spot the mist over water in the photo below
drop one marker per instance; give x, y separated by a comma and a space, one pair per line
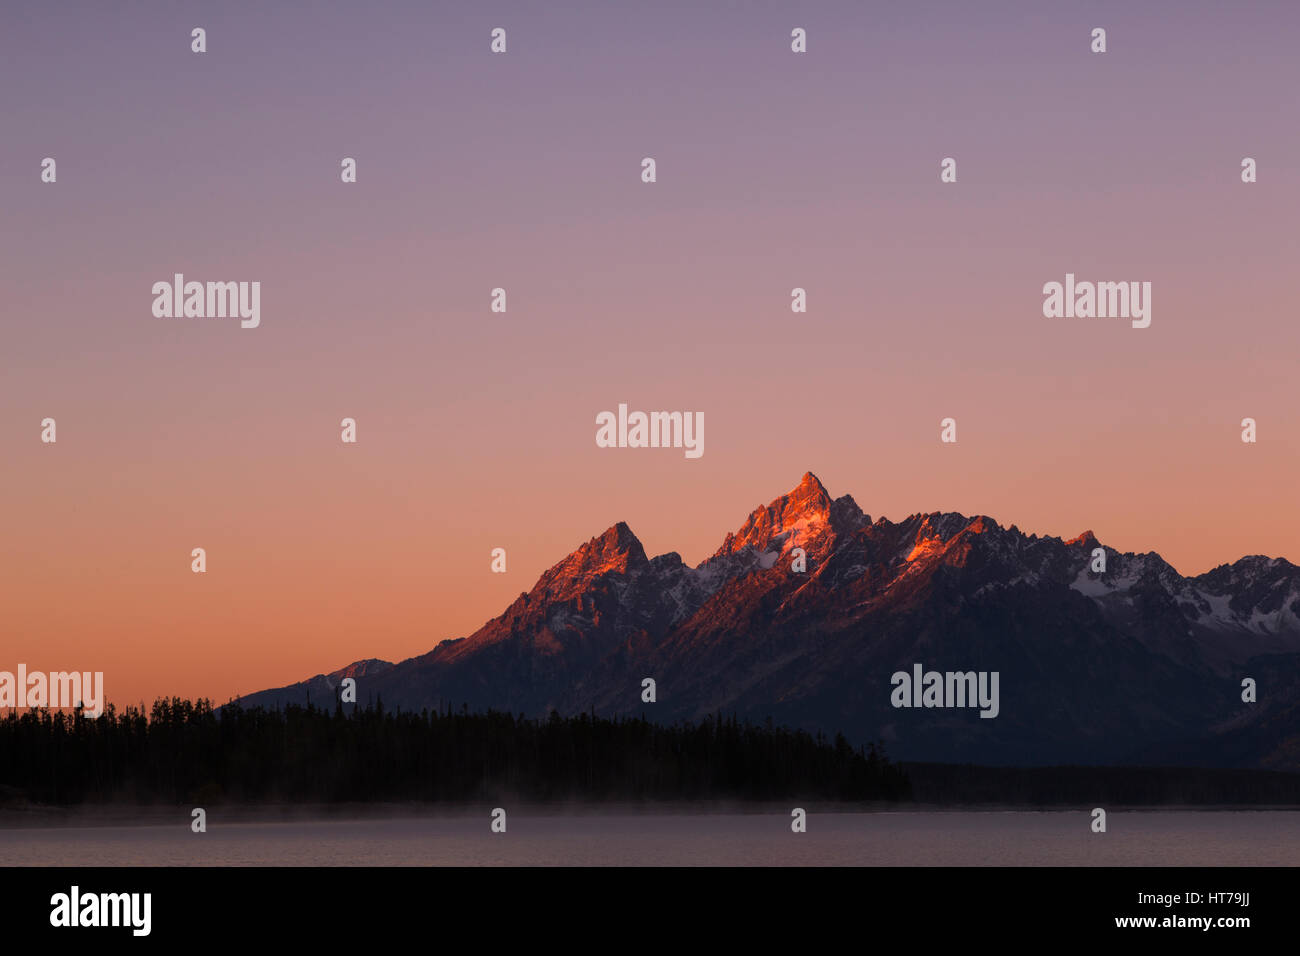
924, 838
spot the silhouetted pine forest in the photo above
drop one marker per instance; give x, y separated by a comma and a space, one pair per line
188, 752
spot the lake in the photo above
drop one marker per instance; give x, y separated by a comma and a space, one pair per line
912, 838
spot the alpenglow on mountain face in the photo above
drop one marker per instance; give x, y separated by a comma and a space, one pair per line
1136, 664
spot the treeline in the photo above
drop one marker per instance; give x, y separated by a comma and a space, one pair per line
184, 752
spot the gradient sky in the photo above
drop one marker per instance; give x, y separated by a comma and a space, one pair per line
477, 430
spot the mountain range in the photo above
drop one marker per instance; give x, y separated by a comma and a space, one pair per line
1135, 664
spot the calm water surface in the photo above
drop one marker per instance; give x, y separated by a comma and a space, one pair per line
929, 838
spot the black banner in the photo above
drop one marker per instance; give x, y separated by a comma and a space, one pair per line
656, 906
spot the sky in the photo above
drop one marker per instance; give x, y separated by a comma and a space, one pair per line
522, 170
